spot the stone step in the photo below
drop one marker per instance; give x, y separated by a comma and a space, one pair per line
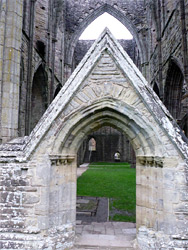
102, 241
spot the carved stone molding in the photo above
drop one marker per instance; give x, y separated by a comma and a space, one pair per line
61, 159
150, 161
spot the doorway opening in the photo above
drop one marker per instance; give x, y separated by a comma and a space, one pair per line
106, 188
106, 142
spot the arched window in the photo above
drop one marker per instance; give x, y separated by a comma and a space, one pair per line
39, 98
40, 46
71, 59
92, 144
93, 31
173, 89
184, 124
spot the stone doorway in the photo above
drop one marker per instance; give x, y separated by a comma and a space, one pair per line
38, 172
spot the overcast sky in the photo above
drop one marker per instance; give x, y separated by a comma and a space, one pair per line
93, 31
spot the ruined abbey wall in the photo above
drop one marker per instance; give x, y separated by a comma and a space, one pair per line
39, 49
49, 50
38, 172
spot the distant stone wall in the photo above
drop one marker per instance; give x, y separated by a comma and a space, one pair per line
80, 14
108, 142
83, 46
171, 43
42, 44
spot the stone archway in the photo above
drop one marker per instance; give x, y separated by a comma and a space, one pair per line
106, 89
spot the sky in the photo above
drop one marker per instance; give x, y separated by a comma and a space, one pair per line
93, 31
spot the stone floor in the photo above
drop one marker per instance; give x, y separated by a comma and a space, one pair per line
94, 210
105, 235
82, 169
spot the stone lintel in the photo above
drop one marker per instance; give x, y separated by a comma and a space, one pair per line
150, 161
61, 159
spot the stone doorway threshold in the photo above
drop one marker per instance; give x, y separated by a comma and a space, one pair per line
94, 231
106, 235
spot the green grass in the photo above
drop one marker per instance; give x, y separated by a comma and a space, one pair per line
116, 181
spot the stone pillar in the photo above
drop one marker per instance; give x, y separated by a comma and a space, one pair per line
10, 46
149, 193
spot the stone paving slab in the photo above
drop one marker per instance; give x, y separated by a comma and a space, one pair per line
107, 228
101, 240
106, 235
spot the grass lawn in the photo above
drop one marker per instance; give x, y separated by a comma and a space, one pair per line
116, 181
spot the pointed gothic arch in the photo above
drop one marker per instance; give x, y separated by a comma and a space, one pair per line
90, 18
92, 144
106, 112
39, 95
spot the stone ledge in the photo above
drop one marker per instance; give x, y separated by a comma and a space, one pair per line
150, 161
61, 159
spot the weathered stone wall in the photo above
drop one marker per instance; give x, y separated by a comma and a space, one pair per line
10, 41
168, 44
157, 30
169, 198
171, 41
33, 209
106, 90
80, 15
39, 25
41, 21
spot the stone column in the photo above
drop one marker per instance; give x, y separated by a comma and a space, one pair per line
10, 46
